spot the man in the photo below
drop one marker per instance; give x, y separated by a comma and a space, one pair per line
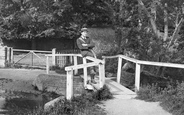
86, 45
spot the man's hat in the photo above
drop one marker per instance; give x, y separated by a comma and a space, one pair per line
84, 29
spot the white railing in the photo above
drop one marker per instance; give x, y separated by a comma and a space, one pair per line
10, 53
75, 67
138, 67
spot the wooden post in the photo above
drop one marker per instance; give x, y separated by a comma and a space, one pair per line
119, 69
6, 55
101, 75
54, 56
137, 77
11, 55
47, 64
75, 63
69, 85
31, 57
71, 59
85, 72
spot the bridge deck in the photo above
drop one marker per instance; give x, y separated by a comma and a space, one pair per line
115, 88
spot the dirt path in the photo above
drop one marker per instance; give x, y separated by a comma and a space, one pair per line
124, 105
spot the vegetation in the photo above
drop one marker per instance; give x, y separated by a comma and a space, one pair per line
171, 98
86, 104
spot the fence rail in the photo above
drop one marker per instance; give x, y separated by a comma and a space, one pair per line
138, 67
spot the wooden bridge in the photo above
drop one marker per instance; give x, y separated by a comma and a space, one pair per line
115, 87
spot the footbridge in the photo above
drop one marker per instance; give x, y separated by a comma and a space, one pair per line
114, 85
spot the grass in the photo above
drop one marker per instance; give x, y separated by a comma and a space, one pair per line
86, 104
171, 98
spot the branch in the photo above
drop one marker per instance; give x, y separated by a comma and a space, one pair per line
176, 31
166, 23
153, 24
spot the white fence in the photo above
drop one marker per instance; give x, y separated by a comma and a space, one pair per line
138, 67
71, 70
32, 58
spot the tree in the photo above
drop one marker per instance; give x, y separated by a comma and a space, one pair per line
32, 19
163, 19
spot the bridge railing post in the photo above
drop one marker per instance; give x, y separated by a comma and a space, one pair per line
101, 75
75, 63
69, 85
54, 56
119, 69
85, 72
47, 64
137, 77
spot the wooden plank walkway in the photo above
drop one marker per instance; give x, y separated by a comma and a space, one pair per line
115, 88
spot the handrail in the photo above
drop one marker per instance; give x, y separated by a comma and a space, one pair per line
41, 51
80, 66
138, 67
79, 55
75, 67
165, 64
122, 56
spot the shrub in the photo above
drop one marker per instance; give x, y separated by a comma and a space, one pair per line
86, 104
171, 98
103, 94
149, 93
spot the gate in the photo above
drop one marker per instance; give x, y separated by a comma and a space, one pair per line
29, 58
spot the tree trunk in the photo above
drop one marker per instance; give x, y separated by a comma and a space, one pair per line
33, 44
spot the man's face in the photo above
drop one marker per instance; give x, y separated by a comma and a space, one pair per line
84, 33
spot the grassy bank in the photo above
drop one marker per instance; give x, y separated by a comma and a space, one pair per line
171, 98
86, 104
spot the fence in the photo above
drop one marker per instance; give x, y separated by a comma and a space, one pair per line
63, 61
75, 67
31, 58
35, 58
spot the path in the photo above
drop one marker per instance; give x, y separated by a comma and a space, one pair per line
124, 103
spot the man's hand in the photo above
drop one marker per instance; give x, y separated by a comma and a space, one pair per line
84, 44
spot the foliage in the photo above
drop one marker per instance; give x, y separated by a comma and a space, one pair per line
103, 94
30, 19
171, 98
86, 104
149, 93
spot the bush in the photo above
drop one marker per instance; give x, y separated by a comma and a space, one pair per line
103, 94
86, 104
149, 93
171, 98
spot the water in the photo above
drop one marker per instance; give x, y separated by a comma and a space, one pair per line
23, 101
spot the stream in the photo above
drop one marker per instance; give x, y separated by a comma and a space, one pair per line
13, 101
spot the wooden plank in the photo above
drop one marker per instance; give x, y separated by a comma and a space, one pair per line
85, 71
80, 66
79, 55
101, 75
54, 56
119, 69
161, 64
75, 63
38, 51
137, 76
118, 89
69, 85
95, 60
47, 65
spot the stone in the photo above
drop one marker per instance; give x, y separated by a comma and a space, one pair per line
56, 84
